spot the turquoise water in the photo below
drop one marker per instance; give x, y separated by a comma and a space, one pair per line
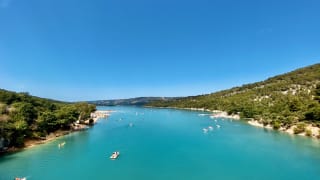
168, 144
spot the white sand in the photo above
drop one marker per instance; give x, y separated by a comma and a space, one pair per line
222, 114
99, 114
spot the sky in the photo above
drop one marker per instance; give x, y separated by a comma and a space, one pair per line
77, 50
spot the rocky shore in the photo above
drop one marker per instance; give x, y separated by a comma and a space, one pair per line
315, 131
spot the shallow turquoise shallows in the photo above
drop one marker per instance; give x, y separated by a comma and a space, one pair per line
168, 144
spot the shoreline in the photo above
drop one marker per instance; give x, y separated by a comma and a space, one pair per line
29, 143
75, 127
314, 130
216, 113
99, 114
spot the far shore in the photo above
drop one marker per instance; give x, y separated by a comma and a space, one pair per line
29, 143
215, 113
222, 114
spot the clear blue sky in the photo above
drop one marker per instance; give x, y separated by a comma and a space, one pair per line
104, 49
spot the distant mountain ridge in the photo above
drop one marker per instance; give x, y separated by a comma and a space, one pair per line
139, 101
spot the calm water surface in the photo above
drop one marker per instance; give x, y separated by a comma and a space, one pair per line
168, 144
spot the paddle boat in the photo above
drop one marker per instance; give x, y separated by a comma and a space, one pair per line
24, 178
60, 145
115, 155
205, 130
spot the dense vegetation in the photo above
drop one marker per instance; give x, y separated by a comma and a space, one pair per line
23, 116
281, 101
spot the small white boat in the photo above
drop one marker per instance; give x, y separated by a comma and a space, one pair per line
115, 155
205, 130
218, 126
24, 178
210, 128
60, 145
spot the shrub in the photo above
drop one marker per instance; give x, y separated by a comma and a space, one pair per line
276, 125
91, 121
308, 132
300, 128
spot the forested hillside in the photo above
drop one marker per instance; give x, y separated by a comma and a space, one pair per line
23, 116
281, 101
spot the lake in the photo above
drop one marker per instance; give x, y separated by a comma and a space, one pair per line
168, 144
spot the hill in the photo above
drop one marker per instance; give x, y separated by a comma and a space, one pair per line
23, 117
281, 101
139, 101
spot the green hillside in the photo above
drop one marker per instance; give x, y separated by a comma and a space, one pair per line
23, 116
282, 100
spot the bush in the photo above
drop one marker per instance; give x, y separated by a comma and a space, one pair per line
91, 121
300, 128
3, 108
276, 125
308, 132
265, 122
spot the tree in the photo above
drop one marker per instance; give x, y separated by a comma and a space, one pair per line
19, 133
66, 115
3, 108
24, 111
85, 110
317, 93
313, 113
47, 121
